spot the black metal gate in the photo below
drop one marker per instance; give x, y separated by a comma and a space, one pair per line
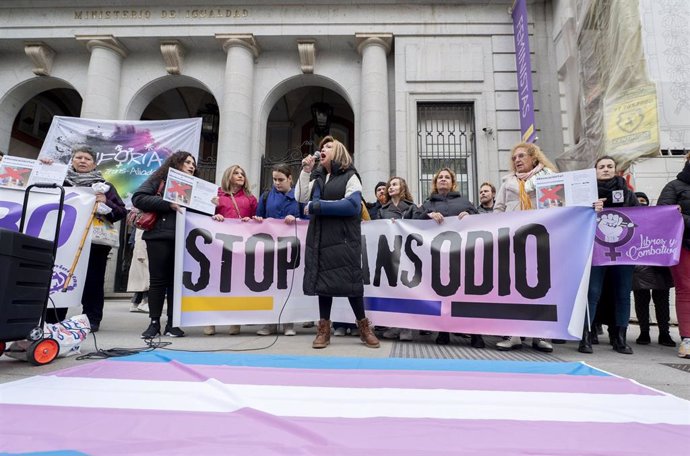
445, 138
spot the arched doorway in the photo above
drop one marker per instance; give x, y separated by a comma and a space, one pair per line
31, 124
298, 121
187, 102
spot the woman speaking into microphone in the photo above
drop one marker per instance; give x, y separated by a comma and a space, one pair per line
333, 261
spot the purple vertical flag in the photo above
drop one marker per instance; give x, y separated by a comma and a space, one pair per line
524, 71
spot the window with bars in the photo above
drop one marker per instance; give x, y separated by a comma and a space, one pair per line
445, 138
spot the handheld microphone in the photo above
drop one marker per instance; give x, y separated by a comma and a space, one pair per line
317, 155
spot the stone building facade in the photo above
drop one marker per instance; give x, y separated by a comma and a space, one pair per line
409, 86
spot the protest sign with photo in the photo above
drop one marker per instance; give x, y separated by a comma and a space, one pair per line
572, 188
190, 191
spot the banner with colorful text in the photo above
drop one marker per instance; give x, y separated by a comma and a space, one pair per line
523, 273
638, 235
41, 218
127, 151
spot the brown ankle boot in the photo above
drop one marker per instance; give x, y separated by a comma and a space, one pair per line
366, 334
323, 334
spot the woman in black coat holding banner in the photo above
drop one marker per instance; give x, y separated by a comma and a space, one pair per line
333, 259
614, 192
446, 201
160, 241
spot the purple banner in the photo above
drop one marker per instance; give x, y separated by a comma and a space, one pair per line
524, 71
638, 235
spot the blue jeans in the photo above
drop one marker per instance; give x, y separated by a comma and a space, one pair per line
620, 278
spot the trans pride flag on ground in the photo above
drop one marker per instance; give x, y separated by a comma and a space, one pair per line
190, 403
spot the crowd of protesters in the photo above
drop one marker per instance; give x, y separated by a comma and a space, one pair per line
328, 193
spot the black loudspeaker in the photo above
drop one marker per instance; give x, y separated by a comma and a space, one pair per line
26, 269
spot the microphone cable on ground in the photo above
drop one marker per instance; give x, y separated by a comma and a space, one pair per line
156, 343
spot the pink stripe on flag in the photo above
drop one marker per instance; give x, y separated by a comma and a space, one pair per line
110, 431
175, 371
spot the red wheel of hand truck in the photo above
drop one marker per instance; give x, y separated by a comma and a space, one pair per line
42, 352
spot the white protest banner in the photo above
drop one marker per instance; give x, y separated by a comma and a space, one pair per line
41, 219
190, 191
572, 188
127, 151
500, 274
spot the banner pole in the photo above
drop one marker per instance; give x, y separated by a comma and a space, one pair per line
80, 248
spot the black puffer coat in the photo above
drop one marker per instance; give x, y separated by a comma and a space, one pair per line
333, 262
404, 210
451, 204
146, 198
678, 192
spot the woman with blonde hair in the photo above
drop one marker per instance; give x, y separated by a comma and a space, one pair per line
234, 201
519, 193
333, 259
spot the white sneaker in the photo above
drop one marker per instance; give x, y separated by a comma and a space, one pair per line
391, 333
684, 348
134, 308
143, 307
512, 343
289, 329
209, 330
406, 334
267, 330
234, 330
340, 331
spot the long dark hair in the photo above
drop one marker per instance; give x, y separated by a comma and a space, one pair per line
174, 161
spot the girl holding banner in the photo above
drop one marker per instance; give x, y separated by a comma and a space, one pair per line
614, 192
678, 192
279, 202
519, 193
234, 201
333, 259
160, 241
400, 205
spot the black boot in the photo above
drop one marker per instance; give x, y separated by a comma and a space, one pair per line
443, 338
620, 342
477, 341
594, 337
644, 338
586, 341
612, 335
153, 330
665, 339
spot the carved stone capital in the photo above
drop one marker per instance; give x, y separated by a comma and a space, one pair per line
41, 55
362, 40
245, 40
104, 41
173, 55
307, 55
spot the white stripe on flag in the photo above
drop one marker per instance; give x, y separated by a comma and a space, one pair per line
300, 401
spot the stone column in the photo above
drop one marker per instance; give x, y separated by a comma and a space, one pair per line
372, 158
235, 135
102, 97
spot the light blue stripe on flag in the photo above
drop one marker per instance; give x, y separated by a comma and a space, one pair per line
319, 362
